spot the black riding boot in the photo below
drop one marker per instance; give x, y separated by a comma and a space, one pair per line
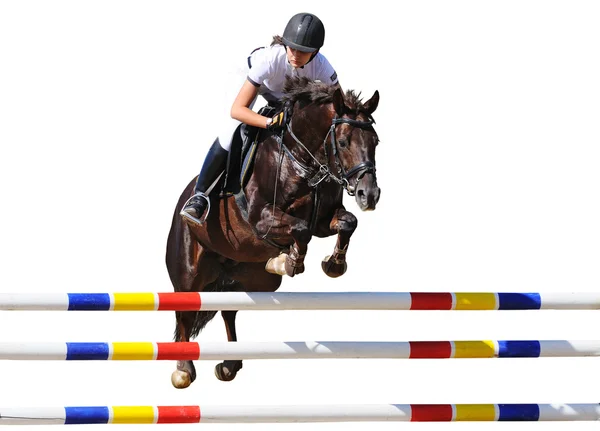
214, 164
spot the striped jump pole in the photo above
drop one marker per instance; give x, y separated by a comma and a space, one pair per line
300, 413
297, 350
211, 301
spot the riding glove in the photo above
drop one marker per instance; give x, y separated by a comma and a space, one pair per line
277, 121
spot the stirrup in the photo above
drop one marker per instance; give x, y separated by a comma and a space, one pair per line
193, 219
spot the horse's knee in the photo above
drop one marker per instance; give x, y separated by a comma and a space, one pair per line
301, 232
347, 223
262, 228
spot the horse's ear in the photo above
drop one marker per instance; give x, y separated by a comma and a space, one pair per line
371, 104
338, 102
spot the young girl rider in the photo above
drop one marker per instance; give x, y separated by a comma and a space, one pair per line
296, 54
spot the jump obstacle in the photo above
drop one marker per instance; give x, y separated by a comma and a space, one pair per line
297, 350
299, 413
212, 301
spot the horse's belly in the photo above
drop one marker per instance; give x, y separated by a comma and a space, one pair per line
228, 234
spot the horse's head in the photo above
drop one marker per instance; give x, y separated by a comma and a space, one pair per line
320, 110
354, 141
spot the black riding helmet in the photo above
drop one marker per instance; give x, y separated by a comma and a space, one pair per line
304, 32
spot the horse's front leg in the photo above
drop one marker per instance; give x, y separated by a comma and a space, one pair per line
343, 224
279, 225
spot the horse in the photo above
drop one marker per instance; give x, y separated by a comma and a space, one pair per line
248, 241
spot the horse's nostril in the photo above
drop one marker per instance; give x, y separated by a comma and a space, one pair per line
361, 193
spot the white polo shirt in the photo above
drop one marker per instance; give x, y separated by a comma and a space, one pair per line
269, 67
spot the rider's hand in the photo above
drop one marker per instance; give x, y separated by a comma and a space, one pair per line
277, 121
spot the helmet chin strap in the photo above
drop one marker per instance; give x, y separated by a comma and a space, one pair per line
314, 54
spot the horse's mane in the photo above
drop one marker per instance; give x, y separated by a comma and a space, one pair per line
301, 89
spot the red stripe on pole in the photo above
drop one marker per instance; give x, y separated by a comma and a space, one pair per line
431, 413
178, 415
178, 351
430, 349
431, 301
179, 301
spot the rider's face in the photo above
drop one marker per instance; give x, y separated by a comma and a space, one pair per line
298, 58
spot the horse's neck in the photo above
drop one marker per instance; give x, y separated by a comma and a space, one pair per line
311, 138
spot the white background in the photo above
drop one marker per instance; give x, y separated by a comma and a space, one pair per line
488, 165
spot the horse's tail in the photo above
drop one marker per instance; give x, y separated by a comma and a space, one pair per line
201, 318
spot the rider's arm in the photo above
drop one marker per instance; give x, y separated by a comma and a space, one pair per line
240, 109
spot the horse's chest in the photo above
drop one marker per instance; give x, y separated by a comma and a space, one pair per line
317, 202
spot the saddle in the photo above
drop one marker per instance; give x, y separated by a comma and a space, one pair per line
240, 161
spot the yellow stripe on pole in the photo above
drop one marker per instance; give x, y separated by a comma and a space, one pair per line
475, 412
133, 351
475, 349
134, 301
475, 301
133, 415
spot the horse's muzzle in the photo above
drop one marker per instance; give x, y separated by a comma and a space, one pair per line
367, 193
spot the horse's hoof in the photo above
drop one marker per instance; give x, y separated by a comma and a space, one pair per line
276, 265
181, 379
226, 372
333, 269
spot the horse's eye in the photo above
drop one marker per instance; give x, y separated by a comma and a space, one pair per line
343, 142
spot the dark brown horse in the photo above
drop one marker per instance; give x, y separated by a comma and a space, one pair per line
294, 193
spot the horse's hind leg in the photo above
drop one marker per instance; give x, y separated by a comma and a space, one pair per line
191, 269
249, 277
227, 370
344, 224
187, 322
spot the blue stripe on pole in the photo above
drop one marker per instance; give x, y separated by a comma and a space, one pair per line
519, 349
87, 351
86, 415
519, 412
519, 301
89, 301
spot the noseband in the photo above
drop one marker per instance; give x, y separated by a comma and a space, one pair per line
343, 176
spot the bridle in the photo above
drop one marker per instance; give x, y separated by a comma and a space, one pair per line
359, 170
323, 173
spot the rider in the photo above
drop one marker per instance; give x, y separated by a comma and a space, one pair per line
296, 54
